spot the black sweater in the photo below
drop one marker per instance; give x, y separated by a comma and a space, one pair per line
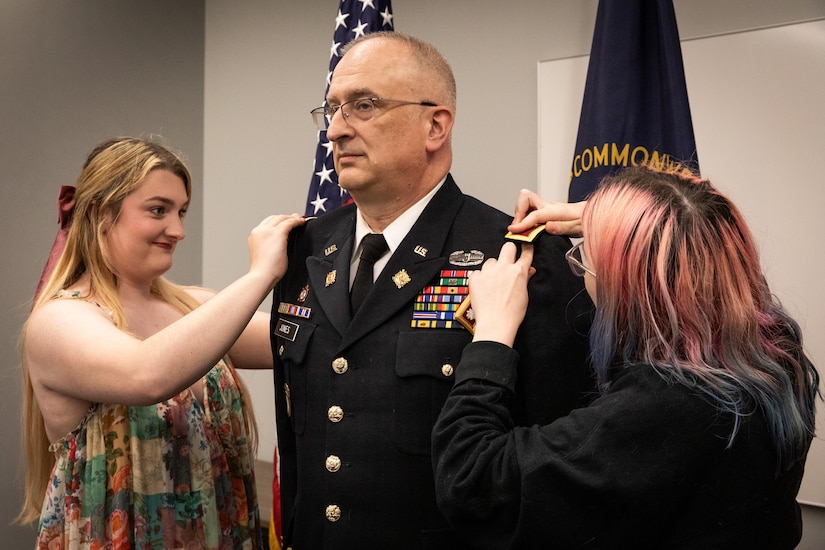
646, 465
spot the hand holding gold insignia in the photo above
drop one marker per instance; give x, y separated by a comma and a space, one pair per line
558, 218
499, 294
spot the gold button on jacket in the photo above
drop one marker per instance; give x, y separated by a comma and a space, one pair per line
340, 365
333, 463
335, 413
333, 513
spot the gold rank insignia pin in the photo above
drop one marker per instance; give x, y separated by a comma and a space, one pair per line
401, 278
466, 316
330, 278
526, 236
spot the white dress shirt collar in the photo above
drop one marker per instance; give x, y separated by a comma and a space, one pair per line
394, 233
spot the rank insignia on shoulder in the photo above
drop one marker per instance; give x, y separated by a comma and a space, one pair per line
466, 259
525, 236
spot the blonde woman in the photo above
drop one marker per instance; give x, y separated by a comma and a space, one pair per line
139, 432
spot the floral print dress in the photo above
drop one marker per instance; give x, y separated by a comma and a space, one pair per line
176, 475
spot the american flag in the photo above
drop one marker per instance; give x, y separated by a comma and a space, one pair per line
355, 18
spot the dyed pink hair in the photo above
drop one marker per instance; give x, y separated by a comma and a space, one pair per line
680, 288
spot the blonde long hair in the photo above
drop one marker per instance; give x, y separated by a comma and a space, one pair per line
113, 170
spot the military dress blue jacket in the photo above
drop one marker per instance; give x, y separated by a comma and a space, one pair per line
357, 396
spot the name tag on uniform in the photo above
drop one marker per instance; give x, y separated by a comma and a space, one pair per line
286, 330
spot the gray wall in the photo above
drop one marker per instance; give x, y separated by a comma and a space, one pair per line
72, 74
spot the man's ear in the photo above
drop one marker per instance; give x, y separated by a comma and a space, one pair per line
441, 126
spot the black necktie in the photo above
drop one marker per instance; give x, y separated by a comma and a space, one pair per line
373, 246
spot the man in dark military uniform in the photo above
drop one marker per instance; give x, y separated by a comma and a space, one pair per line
359, 386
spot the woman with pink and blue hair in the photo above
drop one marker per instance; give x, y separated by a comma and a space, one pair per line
699, 436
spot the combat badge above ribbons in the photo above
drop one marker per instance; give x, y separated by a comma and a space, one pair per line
436, 305
466, 259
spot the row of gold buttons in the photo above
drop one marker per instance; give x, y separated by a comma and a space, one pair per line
335, 414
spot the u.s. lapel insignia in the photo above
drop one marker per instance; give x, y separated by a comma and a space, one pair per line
330, 249
330, 278
401, 278
466, 259
421, 251
302, 296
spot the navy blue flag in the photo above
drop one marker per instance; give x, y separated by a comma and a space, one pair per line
635, 108
355, 18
